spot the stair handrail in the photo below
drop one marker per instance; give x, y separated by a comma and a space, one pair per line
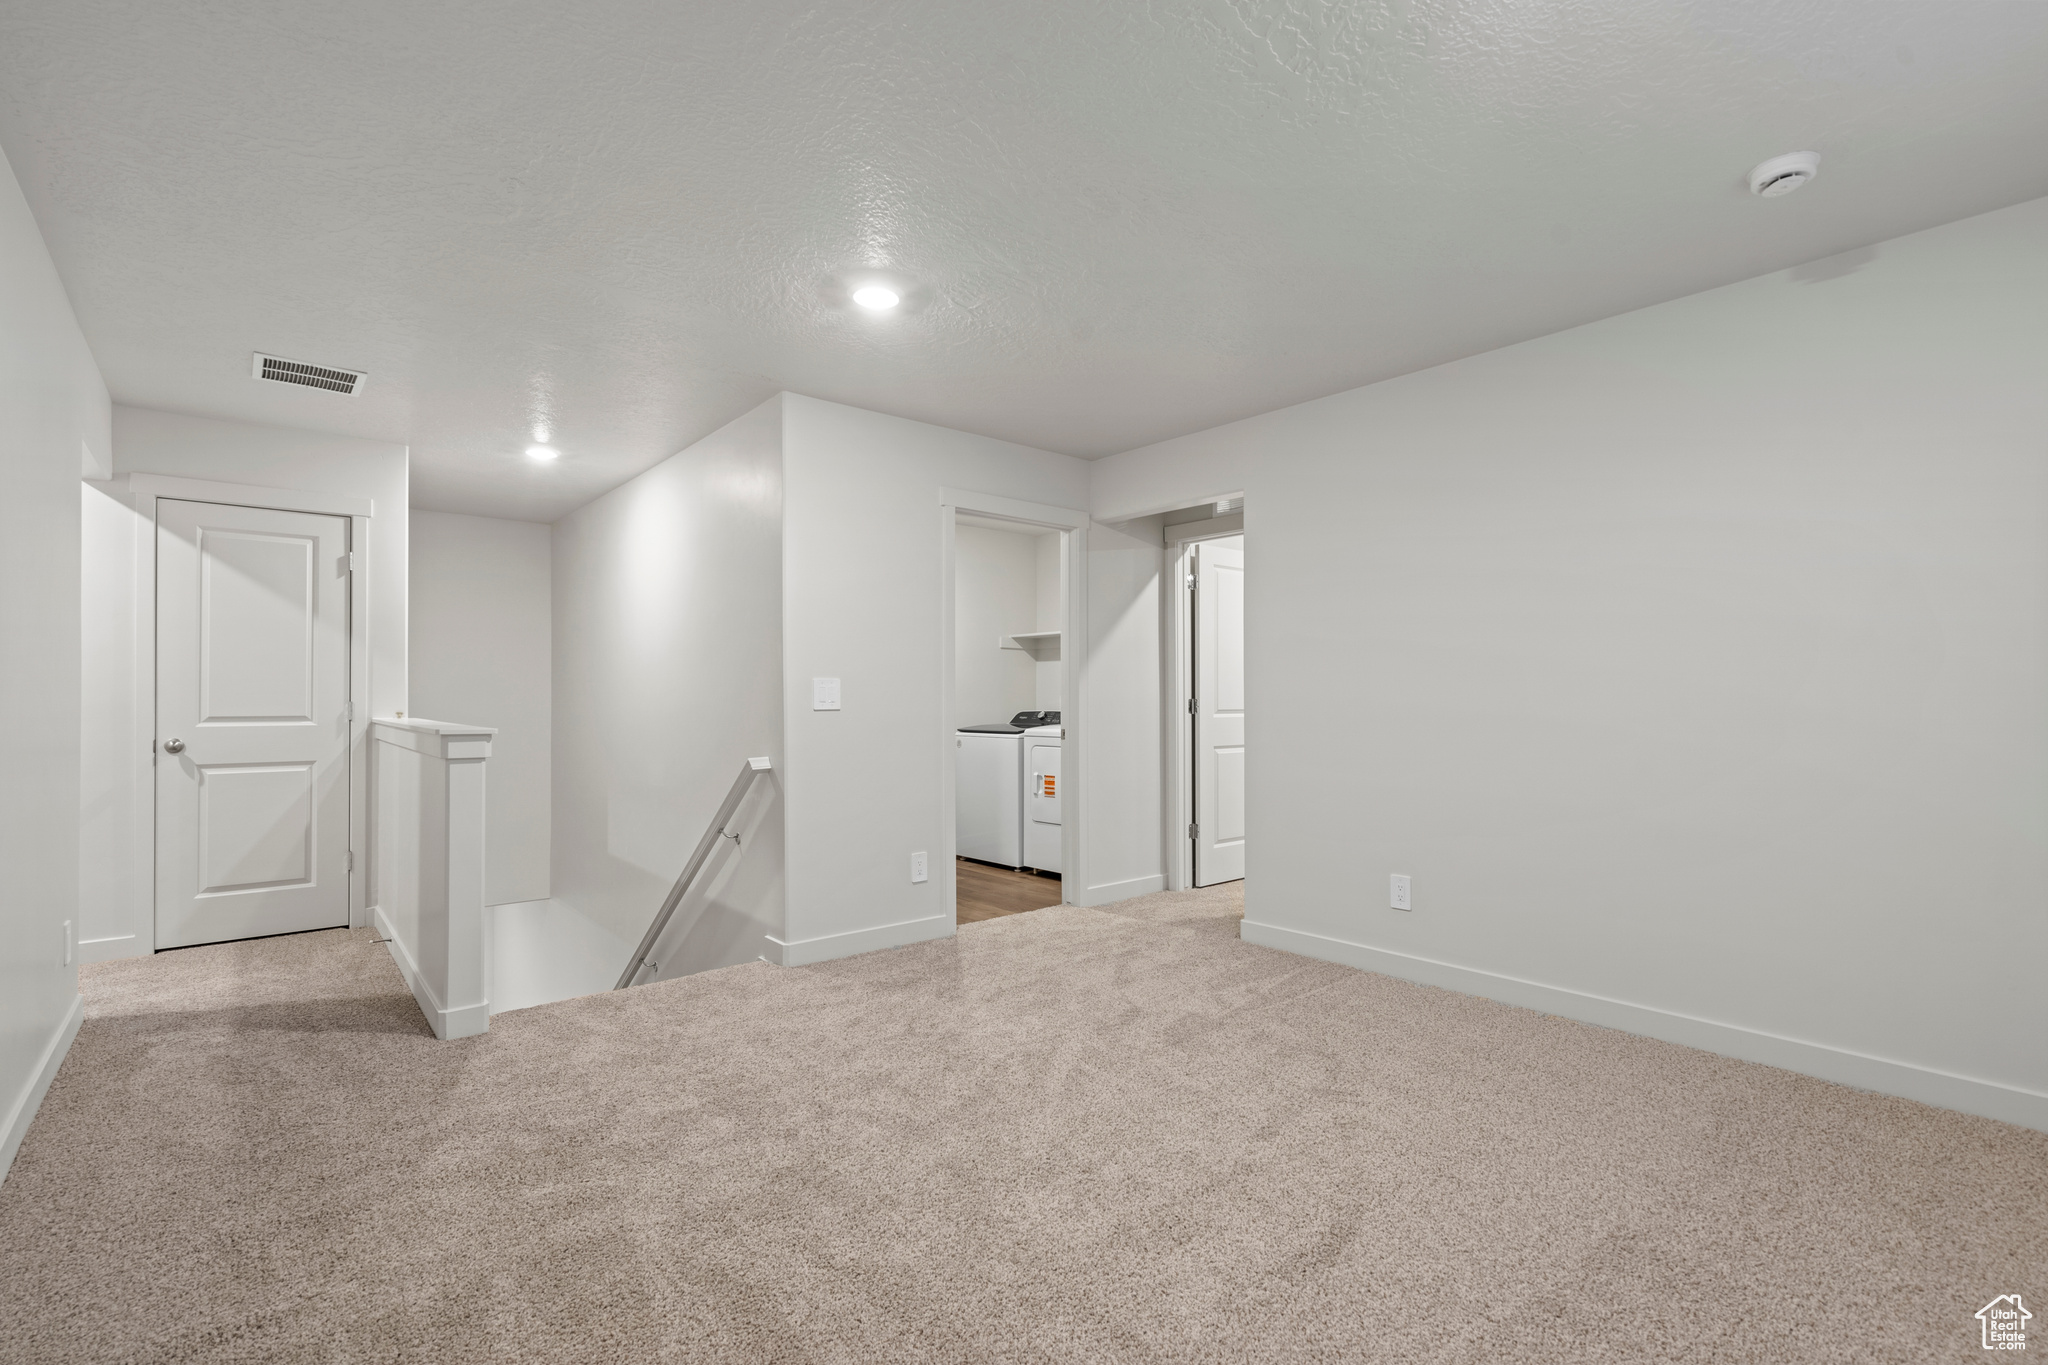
741, 785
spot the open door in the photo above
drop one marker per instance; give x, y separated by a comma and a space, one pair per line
1218, 825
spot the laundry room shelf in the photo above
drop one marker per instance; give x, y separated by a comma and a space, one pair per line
1043, 645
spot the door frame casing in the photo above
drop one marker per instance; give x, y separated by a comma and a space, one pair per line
144, 491
1073, 528
1178, 676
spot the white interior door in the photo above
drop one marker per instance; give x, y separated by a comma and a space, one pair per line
252, 722
1219, 712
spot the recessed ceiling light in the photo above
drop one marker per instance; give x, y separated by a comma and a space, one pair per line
542, 453
876, 298
1784, 174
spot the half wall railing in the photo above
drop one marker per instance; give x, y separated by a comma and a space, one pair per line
427, 864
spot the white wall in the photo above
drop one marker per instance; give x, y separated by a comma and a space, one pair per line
481, 645
115, 888
995, 596
1692, 663
667, 668
53, 427
1121, 695
861, 596
147, 441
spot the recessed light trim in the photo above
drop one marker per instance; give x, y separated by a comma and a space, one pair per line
877, 298
543, 453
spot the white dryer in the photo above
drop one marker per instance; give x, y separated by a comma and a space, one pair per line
1042, 795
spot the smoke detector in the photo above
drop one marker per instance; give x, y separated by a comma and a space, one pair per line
278, 370
1784, 174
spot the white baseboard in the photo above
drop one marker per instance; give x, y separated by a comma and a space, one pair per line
826, 947
1111, 892
466, 1022
1945, 1089
112, 949
22, 1112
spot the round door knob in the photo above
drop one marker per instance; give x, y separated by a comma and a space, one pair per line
174, 746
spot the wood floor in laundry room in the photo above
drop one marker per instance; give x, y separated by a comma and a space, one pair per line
987, 892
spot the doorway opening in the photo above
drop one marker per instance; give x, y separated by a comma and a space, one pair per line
1206, 677
1010, 726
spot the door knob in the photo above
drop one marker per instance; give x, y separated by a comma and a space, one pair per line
174, 746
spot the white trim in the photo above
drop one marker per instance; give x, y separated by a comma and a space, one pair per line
949, 832
1111, 892
1945, 1089
828, 947
1209, 528
23, 1111
466, 1022
1076, 687
1178, 682
1013, 509
1074, 684
359, 585
438, 738
111, 948
248, 495
1119, 516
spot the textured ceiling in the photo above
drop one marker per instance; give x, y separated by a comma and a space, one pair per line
1125, 220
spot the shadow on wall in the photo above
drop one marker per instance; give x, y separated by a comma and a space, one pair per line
719, 923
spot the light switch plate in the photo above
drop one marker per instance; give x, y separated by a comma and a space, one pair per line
824, 694
919, 871
1397, 892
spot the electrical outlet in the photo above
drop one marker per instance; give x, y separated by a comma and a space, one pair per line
1397, 892
918, 870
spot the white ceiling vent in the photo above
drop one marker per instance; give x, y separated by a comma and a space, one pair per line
281, 371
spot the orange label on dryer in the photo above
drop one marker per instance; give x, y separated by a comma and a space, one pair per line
1048, 785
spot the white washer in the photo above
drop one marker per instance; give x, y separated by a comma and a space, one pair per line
1042, 797
988, 794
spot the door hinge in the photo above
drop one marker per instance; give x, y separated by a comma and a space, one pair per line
352, 561
1191, 582
1194, 831
348, 710
1191, 706
351, 860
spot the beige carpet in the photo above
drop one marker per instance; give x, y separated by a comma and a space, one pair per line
1071, 1135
